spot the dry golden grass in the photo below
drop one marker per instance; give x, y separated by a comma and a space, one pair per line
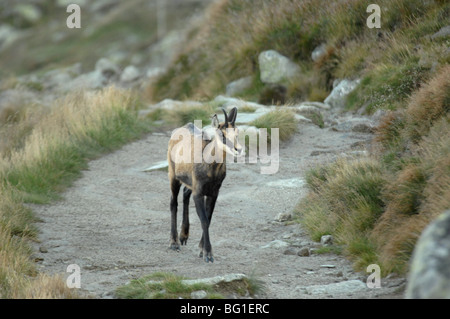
419, 189
48, 158
428, 104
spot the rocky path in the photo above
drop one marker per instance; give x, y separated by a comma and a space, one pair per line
114, 223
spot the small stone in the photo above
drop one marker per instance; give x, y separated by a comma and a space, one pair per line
326, 240
130, 74
304, 252
283, 217
363, 128
276, 244
43, 249
290, 251
200, 294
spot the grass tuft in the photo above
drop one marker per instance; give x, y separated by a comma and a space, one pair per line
281, 118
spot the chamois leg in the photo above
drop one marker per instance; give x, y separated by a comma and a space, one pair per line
206, 252
184, 234
209, 205
175, 188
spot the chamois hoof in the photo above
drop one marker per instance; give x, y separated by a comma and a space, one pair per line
208, 257
183, 240
175, 246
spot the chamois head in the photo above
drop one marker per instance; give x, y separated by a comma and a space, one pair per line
227, 134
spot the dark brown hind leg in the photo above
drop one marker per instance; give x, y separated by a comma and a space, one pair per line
184, 234
175, 188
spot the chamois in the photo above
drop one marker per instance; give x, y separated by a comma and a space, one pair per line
201, 178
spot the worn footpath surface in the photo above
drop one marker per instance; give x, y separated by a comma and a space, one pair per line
114, 223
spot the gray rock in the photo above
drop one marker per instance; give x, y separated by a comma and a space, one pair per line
290, 251
338, 95
130, 74
43, 249
200, 294
339, 288
276, 244
92, 80
429, 275
443, 33
327, 266
107, 68
8, 35
28, 12
318, 52
326, 240
363, 128
169, 104
239, 85
304, 252
214, 280
157, 166
311, 104
283, 217
276, 68
59, 79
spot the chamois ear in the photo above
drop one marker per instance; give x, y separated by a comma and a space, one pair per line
232, 116
215, 121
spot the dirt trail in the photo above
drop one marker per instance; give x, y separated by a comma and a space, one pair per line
114, 223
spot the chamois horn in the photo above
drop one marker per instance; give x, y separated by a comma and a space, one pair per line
226, 117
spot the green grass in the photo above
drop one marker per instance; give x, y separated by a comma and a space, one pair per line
282, 118
387, 86
377, 207
345, 200
162, 285
59, 161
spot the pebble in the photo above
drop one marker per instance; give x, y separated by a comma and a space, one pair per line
43, 249
326, 240
304, 252
200, 294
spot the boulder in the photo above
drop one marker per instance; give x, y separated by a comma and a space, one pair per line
443, 33
304, 252
8, 35
108, 69
276, 68
326, 240
318, 52
169, 104
130, 74
338, 95
429, 275
214, 280
226, 101
339, 288
199, 294
29, 13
